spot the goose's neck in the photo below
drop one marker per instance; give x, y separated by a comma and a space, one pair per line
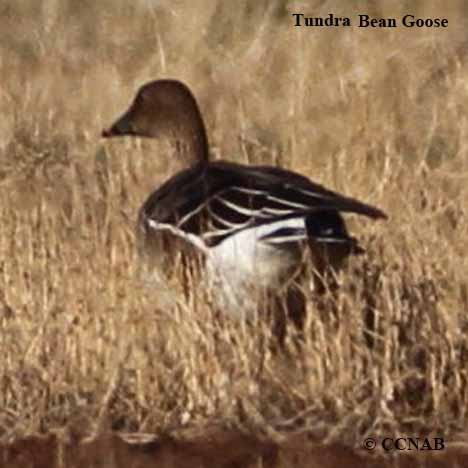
192, 141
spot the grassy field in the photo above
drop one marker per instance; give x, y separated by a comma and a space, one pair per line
380, 115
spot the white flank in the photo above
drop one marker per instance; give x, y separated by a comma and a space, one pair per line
243, 265
285, 239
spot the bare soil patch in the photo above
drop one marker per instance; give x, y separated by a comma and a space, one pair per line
212, 448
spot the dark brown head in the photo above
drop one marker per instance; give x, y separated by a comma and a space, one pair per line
165, 109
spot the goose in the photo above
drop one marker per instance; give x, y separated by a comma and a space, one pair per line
250, 224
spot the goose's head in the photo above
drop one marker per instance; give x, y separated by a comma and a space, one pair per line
165, 109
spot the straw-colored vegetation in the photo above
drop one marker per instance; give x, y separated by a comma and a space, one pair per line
377, 114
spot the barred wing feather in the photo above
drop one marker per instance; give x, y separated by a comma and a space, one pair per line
216, 201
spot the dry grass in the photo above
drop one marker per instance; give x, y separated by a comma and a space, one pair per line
380, 115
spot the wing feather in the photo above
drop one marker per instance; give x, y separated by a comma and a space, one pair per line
215, 201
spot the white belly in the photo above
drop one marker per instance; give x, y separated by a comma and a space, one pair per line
242, 269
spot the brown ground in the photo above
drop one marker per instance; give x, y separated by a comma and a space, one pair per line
376, 114
214, 448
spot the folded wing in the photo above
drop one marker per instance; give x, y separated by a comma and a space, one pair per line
216, 201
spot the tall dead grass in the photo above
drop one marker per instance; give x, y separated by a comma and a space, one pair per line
377, 114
